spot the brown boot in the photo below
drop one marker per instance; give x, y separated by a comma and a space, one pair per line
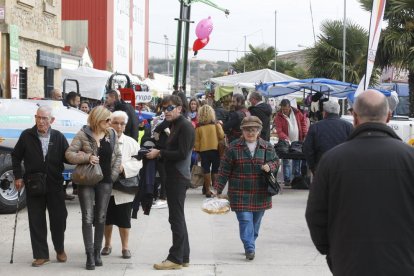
207, 184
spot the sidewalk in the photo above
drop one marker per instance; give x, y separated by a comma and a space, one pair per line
283, 248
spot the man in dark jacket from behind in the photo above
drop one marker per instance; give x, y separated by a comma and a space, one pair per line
325, 134
360, 209
42, 150
262, 110
114, 103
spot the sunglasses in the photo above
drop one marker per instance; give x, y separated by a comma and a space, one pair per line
169, 108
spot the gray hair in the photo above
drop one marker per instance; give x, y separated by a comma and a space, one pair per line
120, 113
255, 95
48, 109
331, 107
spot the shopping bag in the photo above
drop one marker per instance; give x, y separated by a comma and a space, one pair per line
216, 206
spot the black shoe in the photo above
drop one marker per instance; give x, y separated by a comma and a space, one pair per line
250, 256
97, 255
90, 262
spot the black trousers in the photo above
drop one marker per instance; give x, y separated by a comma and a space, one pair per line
162, 181
54, 202
176, 192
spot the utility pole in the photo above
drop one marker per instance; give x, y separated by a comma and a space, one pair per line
344, 45
275, 38
244, 65
185, 9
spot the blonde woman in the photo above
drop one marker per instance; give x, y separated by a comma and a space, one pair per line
208, 135
94, 198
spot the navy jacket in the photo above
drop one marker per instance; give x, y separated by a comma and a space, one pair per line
323, 136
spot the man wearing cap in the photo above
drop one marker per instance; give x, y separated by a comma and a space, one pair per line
177, 158
325, 134
290, 125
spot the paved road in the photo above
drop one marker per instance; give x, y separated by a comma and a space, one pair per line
283, 247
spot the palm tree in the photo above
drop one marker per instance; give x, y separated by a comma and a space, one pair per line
396, 45
325, 58
263, 57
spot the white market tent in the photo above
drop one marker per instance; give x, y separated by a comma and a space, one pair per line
160, 85
91, 81
246, 80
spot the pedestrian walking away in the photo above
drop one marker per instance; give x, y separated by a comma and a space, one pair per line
177, 155
96, 144
360, 210
242, 166
42, 150
325, 134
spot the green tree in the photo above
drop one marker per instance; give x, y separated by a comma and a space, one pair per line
396, 45
262, 58
325, 59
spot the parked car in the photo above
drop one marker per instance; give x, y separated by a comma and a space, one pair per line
16, 116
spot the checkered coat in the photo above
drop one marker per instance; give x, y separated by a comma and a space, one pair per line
247, 190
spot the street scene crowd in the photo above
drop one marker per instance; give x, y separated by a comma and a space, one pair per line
360, 205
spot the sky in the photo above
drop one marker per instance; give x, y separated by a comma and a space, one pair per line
253, 19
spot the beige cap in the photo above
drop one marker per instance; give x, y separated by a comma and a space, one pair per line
251, 121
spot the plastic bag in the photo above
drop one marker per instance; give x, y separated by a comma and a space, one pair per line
216, 206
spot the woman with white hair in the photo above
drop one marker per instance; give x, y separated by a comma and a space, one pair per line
120, 203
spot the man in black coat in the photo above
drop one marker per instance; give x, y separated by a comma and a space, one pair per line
263, 111
325, 134
360, 209
114, 103
42, 149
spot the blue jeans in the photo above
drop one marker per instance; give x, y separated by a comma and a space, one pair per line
249, 225
287, 175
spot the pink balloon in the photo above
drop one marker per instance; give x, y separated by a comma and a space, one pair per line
204, 28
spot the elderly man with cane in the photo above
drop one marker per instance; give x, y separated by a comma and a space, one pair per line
43, 151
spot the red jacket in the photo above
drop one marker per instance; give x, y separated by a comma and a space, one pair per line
282, 126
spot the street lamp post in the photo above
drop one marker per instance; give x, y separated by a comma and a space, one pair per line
166, 54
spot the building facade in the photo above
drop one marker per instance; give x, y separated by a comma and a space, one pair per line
115, 31
31, 46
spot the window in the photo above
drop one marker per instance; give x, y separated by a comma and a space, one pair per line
49, 81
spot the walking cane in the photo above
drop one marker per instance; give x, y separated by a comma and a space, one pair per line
15, 226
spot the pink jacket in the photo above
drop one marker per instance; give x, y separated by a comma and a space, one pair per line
282, 126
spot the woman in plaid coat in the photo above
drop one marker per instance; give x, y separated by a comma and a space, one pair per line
242, 166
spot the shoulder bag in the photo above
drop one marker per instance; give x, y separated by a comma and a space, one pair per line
88, 174
273, 187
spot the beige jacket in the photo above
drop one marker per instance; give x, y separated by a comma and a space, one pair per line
80, 150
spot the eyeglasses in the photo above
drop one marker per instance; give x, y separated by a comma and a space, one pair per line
40, 118
169, 108
251, 129
118, 123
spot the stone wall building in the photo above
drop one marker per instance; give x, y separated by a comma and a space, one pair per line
31, 45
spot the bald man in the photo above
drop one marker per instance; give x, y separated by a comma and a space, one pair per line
360, 209
56, 94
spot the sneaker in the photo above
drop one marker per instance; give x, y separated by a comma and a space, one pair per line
167, 265
159, 204
250, 256
40, 262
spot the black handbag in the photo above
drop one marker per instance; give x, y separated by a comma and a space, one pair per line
296, 147
127, 185
273, 187
282, 147
35, 184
